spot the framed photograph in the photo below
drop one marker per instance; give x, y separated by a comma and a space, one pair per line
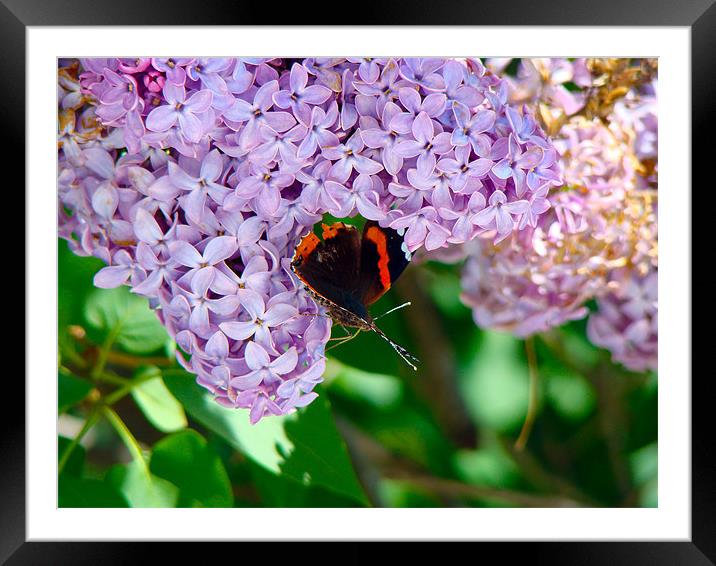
375, 282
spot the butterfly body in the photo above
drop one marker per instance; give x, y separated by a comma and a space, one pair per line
348, 271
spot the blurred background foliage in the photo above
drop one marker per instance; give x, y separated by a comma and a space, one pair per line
135, 430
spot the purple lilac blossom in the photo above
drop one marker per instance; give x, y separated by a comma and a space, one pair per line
194, 179
595, 238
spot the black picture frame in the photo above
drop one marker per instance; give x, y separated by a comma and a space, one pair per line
698, 15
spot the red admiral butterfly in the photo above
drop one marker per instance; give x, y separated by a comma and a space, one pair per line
346, 272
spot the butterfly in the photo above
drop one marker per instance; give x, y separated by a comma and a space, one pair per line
347, 271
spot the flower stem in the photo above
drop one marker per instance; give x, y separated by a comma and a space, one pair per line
88, 424
127, 437
113, 379
521, 441
127, 387
104, 352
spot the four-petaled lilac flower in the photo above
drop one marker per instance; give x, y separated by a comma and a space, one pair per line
315, 194
217, 250
180, 109
318, 133
122, 270
538, 206
456, 90
160, 270
207, 70
433, 104
347, 157
471, 127
262, 318
518, 164
369, 68
422, 228
427, 145
299, 95
264, 186
198, 301
385, 134
422, 72
122, 90
364, 196
498, 214
464, 173
253, 115
200, 187
173, 67
264, 370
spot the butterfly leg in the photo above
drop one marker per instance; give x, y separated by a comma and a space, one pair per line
332, 338
343, 340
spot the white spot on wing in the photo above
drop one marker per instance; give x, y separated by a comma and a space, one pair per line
406, 251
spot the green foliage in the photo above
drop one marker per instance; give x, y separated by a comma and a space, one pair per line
185, 459
643, 465
70, 390
395, 493
377, 390
305, 447
570, 394
75, 276
495, 384
158, 404
277, 490
489, 466
142, 489
122, 317
83, 492
75, 463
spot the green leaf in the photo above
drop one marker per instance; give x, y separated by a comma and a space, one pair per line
496, 384
186, 460
158, 404
445, 289
76, 463
142, 489
74, 278
570, 394
261, 442
644, 463
379, 390
70, 390
411, 433
305, 446
81, 492
319, 455
649, 494
282, 491
125, 316
489, 466
395, 493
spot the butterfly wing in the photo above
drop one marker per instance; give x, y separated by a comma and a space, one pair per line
383, 258
330, 267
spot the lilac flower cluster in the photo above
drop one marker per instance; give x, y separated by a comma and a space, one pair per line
598, 240
626, 320
193, 179
543, 80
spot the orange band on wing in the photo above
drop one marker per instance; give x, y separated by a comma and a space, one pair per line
377, 236
306, 246
332, 230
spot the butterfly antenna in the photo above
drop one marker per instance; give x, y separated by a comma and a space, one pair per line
408, 358
393, 309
